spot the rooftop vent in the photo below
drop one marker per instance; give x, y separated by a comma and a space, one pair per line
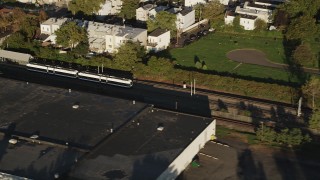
160, 127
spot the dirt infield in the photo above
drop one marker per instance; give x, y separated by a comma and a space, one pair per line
253, 56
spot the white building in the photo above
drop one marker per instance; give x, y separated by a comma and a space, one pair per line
110, 7
248, 22
185, 18
158, 40
142, 13
262, 12
190, 3
51, 25
108, 38
102, 37
229, 17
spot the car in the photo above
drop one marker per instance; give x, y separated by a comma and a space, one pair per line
193, 37
199, 34
205, 32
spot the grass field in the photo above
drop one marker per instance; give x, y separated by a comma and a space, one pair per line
213, 48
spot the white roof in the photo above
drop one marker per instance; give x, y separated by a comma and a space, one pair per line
15, 55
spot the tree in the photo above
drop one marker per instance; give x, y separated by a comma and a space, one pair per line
314, 121
15, 41
301, 7
303, 54
69, 35
42, 16
302, 28
128, 10
4, 23
128, 54
312, 87
87, 7
18, 17
293, 137
214, 11
198, 11
164, 20
260, 25
160, 66
266, 134
29, 27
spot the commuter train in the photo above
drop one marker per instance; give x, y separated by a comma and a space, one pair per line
87, 76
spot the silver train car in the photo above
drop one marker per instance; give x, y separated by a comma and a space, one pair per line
87, 76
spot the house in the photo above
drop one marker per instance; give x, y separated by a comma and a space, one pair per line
110, 7
185, 18
248, 22
142, 13
158, 40
229, 17
108, 38
51, 25
190, 3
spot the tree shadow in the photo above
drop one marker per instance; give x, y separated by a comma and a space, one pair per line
247, 168
222, 106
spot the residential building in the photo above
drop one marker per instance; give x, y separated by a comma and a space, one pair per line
110, 7
51, 25
263, 12
229, 17
142, 13
158, 40
108, 38
190, 3
185, 18
248, 22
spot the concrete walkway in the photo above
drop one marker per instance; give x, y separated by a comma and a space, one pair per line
252, 56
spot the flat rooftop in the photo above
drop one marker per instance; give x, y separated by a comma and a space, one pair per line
28, 109
140, 151
35, 161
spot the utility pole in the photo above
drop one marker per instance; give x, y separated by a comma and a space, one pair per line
194, 86
102, 68
299, 107
191, 88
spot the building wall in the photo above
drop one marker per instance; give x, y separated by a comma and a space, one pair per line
248, 24
142, 38
193, 2
228, 19
163, 41
185, 21
45, 29
141, 14
105, 9
185, 158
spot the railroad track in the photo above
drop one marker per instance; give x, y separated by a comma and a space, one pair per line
263, 104
235, 122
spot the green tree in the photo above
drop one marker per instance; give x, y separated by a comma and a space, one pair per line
303, 28
80, 50
293, 137
128, 54
236, 24
198, 11
160, 66
314, 121
29, 27
312, 87
15, 41
128, 10
70, 34
266, 134
303, 54
214, 11
164, 20
87, 7
305, 7
260, 25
